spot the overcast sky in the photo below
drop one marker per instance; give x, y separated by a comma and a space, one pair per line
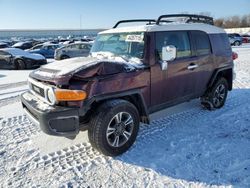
92, 14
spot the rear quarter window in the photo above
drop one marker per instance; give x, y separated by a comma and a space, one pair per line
202, 43
220, 44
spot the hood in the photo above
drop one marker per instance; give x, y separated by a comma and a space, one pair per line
19, 52
60, 72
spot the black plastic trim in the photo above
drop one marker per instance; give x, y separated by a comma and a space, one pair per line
135, 20
193, 18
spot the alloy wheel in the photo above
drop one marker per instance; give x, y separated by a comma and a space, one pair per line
120, 129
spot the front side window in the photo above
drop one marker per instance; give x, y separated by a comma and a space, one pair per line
84, 47
179, 39
202, 43
3, 53
120, 44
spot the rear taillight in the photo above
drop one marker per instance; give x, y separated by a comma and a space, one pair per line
234, 55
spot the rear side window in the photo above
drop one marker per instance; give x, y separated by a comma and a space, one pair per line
220, 44
202, 43
179, 39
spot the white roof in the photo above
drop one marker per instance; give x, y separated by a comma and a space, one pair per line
210, 29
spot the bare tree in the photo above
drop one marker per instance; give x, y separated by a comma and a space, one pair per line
233, 21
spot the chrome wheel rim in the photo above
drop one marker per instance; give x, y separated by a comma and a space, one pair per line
219, 95
119, 129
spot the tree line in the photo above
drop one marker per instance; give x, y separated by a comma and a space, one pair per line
233, 21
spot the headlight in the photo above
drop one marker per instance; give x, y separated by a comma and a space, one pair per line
51, 96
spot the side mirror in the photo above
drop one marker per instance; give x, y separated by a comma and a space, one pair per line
168, 53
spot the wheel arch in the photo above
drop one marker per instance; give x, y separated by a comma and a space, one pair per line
134, 97
16, 61
227, 73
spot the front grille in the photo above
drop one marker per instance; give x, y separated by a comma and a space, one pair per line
38, 90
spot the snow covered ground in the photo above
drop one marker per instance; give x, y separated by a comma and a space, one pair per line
185, 146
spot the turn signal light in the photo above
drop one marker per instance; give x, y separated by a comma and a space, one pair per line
234, 55
70, 95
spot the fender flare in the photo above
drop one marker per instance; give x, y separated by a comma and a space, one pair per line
133, 96
217, 72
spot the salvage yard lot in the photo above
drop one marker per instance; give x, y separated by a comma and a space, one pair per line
184, 146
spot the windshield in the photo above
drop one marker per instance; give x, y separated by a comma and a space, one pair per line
130, 45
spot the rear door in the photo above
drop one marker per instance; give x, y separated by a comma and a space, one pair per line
204, 61
76, 50
84, 48
176, 84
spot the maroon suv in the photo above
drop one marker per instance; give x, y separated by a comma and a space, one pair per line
131, 73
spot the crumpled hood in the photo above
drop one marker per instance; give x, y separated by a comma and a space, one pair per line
60, 72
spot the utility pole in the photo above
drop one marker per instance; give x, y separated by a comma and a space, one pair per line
80, 22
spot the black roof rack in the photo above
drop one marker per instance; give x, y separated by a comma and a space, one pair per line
191, 18
150, 21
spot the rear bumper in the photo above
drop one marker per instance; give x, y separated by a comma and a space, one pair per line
57, 121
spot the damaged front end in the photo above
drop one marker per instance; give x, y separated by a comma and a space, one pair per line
61, 94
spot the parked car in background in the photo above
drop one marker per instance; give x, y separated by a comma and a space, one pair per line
47, 50
23, 45
235, 39
3, 45
80, 49
246, 38
13, 58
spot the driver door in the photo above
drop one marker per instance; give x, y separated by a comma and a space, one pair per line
176, 83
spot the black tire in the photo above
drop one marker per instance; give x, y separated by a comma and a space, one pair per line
20, 64
104, 129
217, 95
64, 57
237, 43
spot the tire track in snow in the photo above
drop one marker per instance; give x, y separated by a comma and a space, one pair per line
9, 100
17, 129
79, 159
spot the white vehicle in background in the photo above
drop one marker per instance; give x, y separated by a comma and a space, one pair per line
79, 49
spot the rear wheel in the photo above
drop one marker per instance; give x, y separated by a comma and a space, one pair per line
237, 43
114, 127
216, 96
20, 64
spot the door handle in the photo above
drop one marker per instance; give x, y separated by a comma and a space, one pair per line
192, 66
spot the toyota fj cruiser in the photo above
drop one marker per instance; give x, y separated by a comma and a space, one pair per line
131, 73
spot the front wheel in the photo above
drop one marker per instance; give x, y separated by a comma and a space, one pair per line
20, 64
217, 95
114, 127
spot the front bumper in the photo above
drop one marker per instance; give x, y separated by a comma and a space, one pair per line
58, 121
35, 63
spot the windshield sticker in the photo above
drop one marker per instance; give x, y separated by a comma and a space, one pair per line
134, 38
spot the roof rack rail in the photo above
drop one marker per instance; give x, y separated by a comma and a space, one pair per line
150, 21
190, 18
